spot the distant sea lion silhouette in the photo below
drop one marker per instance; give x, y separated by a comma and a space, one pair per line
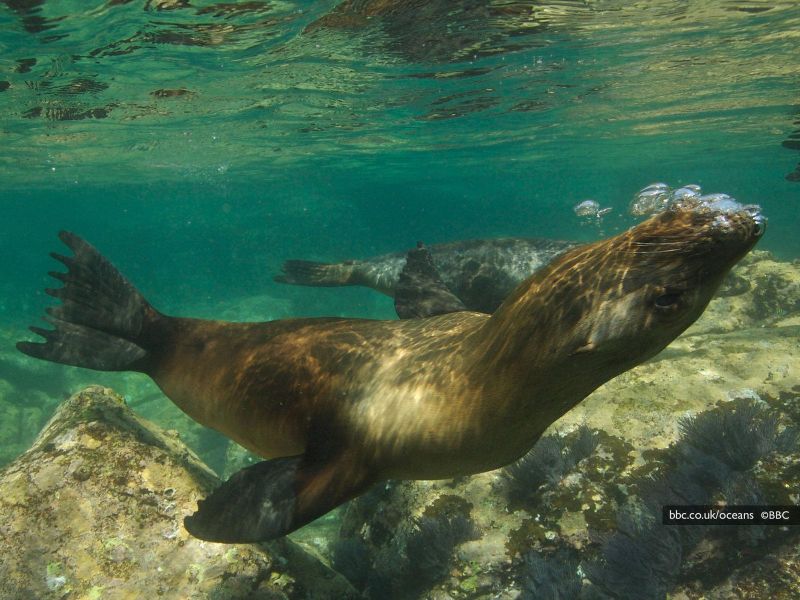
340, 404
481, 273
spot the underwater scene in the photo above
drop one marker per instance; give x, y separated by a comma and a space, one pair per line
399, 299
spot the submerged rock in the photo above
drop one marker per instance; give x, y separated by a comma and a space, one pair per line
760, 291
95, 509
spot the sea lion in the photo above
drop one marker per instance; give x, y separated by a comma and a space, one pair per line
340, 404
481, 273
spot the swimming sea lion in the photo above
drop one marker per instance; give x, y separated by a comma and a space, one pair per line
481, 273
340, 404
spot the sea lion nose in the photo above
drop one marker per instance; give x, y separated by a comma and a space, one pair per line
757, 220
751, 220
728, 217
746, 224
759, 225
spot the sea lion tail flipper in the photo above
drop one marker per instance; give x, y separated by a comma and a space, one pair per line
100, 320
420, 291
317, 274
273, 498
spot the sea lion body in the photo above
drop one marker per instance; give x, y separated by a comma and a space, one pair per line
337, 385
409, 416
339, 404
479, 272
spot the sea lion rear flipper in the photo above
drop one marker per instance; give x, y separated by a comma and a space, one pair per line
420, 291
100, 323
273, 498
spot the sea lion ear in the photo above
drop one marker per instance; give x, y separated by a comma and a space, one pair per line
274, 497
420, 291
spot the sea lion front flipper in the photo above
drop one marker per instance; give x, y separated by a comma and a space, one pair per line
272, 498
420, 291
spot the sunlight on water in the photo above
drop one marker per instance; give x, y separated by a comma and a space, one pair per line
172, 90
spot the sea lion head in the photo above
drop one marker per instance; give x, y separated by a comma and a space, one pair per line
604, 307
633, 294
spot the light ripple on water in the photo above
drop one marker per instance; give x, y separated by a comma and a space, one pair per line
168, 89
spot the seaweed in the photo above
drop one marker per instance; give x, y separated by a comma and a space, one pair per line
738, 437
788, 440
430, 546
548, 461
639, 561
544, 463
415, 560
643, 558
552, 577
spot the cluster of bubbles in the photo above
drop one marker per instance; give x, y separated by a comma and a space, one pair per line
658, 197
590, 210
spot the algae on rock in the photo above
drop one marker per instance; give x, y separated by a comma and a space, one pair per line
95, 508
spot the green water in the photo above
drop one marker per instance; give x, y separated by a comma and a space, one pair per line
199, 145
307, 130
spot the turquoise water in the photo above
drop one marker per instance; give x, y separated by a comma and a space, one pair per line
199, 145
221, 141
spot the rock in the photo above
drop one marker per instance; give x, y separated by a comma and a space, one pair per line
759, 291
775, 576
694, 373
95, 508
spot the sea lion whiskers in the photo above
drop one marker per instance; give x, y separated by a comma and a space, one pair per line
662, 250
660, 243
674, 245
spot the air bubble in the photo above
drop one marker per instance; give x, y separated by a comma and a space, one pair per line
587, 208
590, 210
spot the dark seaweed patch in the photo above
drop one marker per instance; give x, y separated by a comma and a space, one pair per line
414, 559
737, 437
172, 93
82, 85
24, 65
644, 559
66, 113
430, 547
553, 577
550, 459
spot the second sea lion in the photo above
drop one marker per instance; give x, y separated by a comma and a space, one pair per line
481, 273
337, 405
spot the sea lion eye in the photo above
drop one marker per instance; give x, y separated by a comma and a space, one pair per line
667, 300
